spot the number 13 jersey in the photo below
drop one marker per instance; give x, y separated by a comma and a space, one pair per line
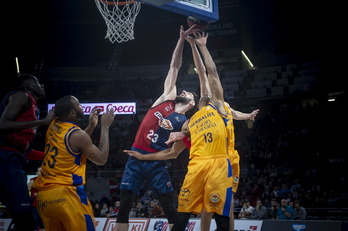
208, 133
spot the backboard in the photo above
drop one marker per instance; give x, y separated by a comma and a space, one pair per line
206, 10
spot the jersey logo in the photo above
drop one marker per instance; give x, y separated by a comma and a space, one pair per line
214, 198
184, 192
162, 122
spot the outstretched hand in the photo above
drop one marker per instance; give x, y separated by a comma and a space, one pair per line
134, 154
185, 33
174, 136
201, 38
253, 114
50, 116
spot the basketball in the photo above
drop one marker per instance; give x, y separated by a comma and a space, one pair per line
200, 24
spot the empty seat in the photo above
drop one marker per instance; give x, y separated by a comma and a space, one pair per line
255, 93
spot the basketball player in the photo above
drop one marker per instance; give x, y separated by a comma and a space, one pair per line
18, 124
166, 115
228, 117
208, 182
234, 157
61, 201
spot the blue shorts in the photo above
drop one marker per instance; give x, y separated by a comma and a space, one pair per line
14, 192
155, 173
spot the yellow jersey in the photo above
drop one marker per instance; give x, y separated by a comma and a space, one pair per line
233, 154
61, 166
208, 133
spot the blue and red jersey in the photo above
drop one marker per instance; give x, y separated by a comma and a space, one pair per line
20, 140
157, 125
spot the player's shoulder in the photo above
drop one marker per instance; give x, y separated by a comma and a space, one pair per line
18, 96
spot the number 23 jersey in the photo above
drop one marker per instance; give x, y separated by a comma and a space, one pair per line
61, 166
157, 125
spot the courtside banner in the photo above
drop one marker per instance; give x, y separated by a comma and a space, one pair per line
135, 224
242, 225
119, 108
5, 224
99, 223
301, 225
161, 224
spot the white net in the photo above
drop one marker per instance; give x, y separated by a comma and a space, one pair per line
119, 17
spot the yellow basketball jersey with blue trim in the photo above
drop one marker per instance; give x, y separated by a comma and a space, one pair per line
61, 166
229, 128
233, 154
208, 136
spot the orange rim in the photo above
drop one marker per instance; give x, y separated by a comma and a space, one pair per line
117, 3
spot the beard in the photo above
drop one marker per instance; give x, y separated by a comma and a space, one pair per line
182, 100
79, 114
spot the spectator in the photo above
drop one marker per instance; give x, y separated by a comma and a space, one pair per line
104, 210
296, 186
133, 212
283, 192
291, 204
289, 198
295, 193
155, 210
266, 194
272, 212
300, 213
141, 211
105, 199
96, 209
116, 207
285, 212
246, 211
260, 211
267, 204
275, 192
111, 212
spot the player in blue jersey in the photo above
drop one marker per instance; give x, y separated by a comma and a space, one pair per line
167, 114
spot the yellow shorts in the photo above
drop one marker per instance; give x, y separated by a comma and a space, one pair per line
207, 185
65, 208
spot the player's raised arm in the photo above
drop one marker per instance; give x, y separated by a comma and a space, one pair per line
170, 89
213, 77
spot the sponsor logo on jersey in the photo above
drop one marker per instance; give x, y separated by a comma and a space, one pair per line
162, 122
184, 192
214, 197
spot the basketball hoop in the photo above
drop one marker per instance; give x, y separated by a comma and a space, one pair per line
119, 17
